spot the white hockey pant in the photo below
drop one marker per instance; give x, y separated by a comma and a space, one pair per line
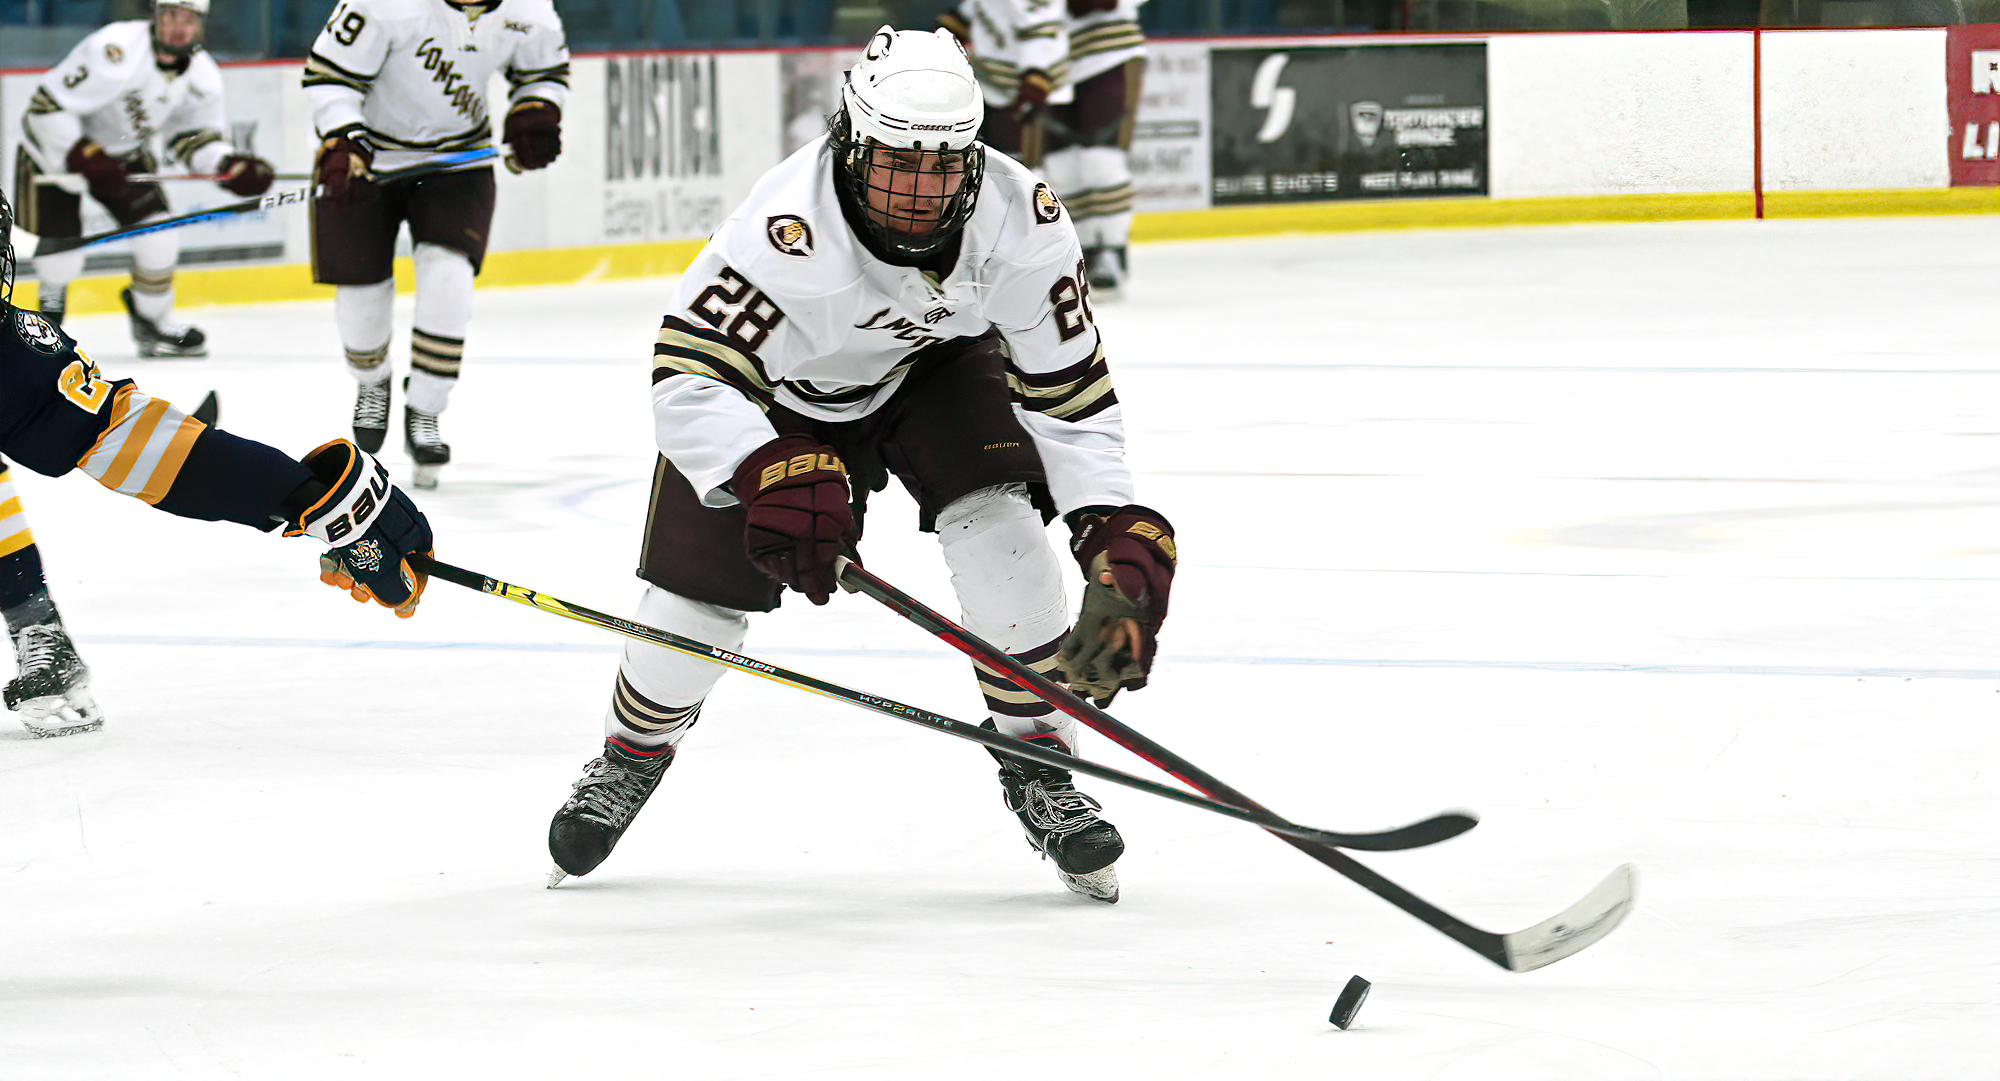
1010, 592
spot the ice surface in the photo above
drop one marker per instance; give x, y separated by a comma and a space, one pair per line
1675, 544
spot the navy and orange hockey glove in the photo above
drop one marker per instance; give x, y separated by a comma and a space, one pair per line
1127, 555
371, 527
797, 520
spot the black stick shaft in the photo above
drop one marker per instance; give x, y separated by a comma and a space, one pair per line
1484, 943
276, 199
1007, 744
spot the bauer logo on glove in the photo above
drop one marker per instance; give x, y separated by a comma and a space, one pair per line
372, 527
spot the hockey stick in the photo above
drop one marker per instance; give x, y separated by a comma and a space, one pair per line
64, 179
1007, 744
276, 199
1545, 943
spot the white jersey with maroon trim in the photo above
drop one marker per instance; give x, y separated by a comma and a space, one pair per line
785, 306
1103, 40
1010, 37
110, 90
413, 73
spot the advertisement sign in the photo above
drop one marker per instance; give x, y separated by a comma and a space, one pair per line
662, 147
1170, 137
1346, 122
1972, 88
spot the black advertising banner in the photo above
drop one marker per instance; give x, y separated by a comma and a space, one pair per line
1348, 122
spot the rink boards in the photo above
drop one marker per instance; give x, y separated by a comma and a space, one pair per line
1236, 137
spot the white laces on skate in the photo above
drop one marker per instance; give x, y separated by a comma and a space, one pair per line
423, 427
371, 407
1058, 808
38, 645
609, 792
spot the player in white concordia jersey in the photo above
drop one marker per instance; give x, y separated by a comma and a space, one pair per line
891, 299
1089, 137
97, 117
393, 85
1020, 50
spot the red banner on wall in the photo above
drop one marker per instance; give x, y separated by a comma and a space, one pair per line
1972, 79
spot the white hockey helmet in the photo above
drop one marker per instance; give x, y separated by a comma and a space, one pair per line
906, 139
180, 52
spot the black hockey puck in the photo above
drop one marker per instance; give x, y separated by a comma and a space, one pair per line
1349, 1003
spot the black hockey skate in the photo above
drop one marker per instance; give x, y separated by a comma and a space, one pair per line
427, 450
1062, 824
163, 339
614, 786
1105, 268
52, 693
371, 415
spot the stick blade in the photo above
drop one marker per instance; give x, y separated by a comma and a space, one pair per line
208, 410
1415, 835
1576, 927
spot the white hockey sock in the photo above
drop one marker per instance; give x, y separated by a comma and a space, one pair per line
437, 340
365, 314
1102, 207
55, 272
659, 692
1010, 592
153, 259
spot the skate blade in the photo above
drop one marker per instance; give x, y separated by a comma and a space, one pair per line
1097, 885
425, 476
556, 875
53, 715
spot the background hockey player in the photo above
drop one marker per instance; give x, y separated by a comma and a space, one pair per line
125, 91
890, 299
1089, 137
1020, 49
58, 413
393, 84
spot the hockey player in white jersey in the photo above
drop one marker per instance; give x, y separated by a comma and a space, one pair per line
393, 85
891, 299
1089, 137
1020, 50
125, 93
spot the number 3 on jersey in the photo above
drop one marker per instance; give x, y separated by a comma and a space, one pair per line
735, 307
81, 384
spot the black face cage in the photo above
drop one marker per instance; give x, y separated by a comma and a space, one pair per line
897, 221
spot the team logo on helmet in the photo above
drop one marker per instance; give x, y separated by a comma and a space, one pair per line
1047, 207
37, 332
790, 234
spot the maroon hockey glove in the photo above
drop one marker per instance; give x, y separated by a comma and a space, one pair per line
104, 173
1128, 556
370, 525
534, 133
246, 175
1035, 89
343, 172
798, 521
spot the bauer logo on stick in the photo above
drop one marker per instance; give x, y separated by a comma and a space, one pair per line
790, 234
1047, 207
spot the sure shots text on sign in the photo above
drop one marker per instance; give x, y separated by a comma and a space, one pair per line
1346, 122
